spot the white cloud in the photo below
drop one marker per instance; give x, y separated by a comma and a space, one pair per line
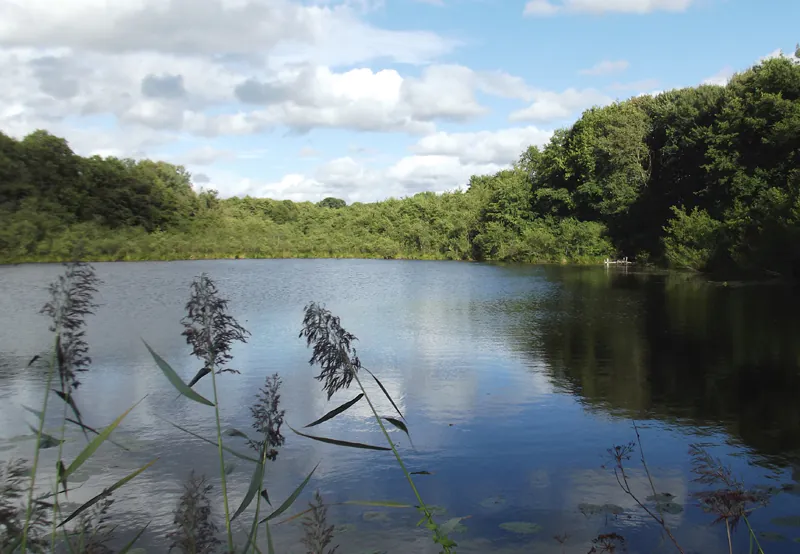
721, 77
438, 162
552, 106
239, 29
606, 67
497, 147
539, 8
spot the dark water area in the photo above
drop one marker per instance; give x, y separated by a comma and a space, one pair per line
515, 380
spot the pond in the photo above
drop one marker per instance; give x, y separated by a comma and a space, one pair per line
514, 380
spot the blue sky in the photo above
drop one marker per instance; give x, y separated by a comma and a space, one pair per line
360, 99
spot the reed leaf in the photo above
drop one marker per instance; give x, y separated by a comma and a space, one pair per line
106, 492
176, 381
127, 548
255, 486
399, 424
336, 411
341, 442
46, 441
209, 441
385, 392
289, 501
37, 413
96, 432
67, 398
95, 443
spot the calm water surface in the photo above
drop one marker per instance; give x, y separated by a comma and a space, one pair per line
514, 381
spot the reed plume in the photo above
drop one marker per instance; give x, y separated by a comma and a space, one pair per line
317, 534
194, 529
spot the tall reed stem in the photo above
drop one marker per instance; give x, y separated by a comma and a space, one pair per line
422, 505
222, 464
56, 507
29, 508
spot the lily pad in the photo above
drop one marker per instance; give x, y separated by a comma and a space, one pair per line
596, 509
521, 527
792, 488
787, 521
453, 525
669, 508
767, 535
375, 516
493, 501
770, 490
345, 528
661, 497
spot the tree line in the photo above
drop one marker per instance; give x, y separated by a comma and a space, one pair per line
705, 177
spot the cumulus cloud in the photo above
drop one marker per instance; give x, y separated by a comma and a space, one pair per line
438, 162
236, 28
540, 8
496, 147
606, 67
721, 77
553, 106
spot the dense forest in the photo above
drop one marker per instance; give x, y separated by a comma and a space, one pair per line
705, 178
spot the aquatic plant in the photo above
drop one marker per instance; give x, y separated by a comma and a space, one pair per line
71, 301
730, 502
317, 534
212, 332
14, 485
621, 454
195, 531
334, 353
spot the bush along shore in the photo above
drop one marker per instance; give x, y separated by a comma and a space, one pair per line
705, 178
33, 517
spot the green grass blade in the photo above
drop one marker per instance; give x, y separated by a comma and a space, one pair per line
336, 411
127, 547
289, 501
385, 392
95, 443
209, 441
106, 492
176, 381
255, 486
95, 431
340, 442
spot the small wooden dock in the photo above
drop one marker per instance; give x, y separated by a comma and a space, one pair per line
623, 261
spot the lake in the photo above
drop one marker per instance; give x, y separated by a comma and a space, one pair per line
514, 380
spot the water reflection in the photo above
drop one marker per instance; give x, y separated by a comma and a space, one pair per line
514, 381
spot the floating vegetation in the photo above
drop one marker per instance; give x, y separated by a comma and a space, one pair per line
596, 509
770, 536
787, 521
669, 508
521, 527
381, 517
